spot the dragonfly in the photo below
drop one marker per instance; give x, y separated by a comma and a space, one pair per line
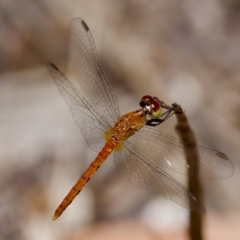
141, 153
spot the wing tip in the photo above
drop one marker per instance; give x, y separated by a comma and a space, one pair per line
222, 155
85, 26
51, 65
77, 21
196, 205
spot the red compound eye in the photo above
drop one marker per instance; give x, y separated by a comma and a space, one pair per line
147, 99
155, 105
156, 109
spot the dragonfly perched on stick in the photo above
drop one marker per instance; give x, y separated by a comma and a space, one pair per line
141, 152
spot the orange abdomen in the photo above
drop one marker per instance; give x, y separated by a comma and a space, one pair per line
101, 157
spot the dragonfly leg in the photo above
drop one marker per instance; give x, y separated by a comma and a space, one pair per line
154, 122
175, 107
161, 119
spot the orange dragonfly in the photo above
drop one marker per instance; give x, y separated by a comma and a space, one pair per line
141, 153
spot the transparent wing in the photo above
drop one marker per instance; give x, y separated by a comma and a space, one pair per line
91, 123
139, 171
89, 71
161, 150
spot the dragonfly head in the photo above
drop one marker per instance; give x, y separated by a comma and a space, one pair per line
152, 105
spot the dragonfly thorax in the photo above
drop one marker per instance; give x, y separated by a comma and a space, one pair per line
126, 126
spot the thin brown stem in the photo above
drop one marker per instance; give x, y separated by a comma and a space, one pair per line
187, 136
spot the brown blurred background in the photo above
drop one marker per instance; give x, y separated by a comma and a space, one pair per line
181, 51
